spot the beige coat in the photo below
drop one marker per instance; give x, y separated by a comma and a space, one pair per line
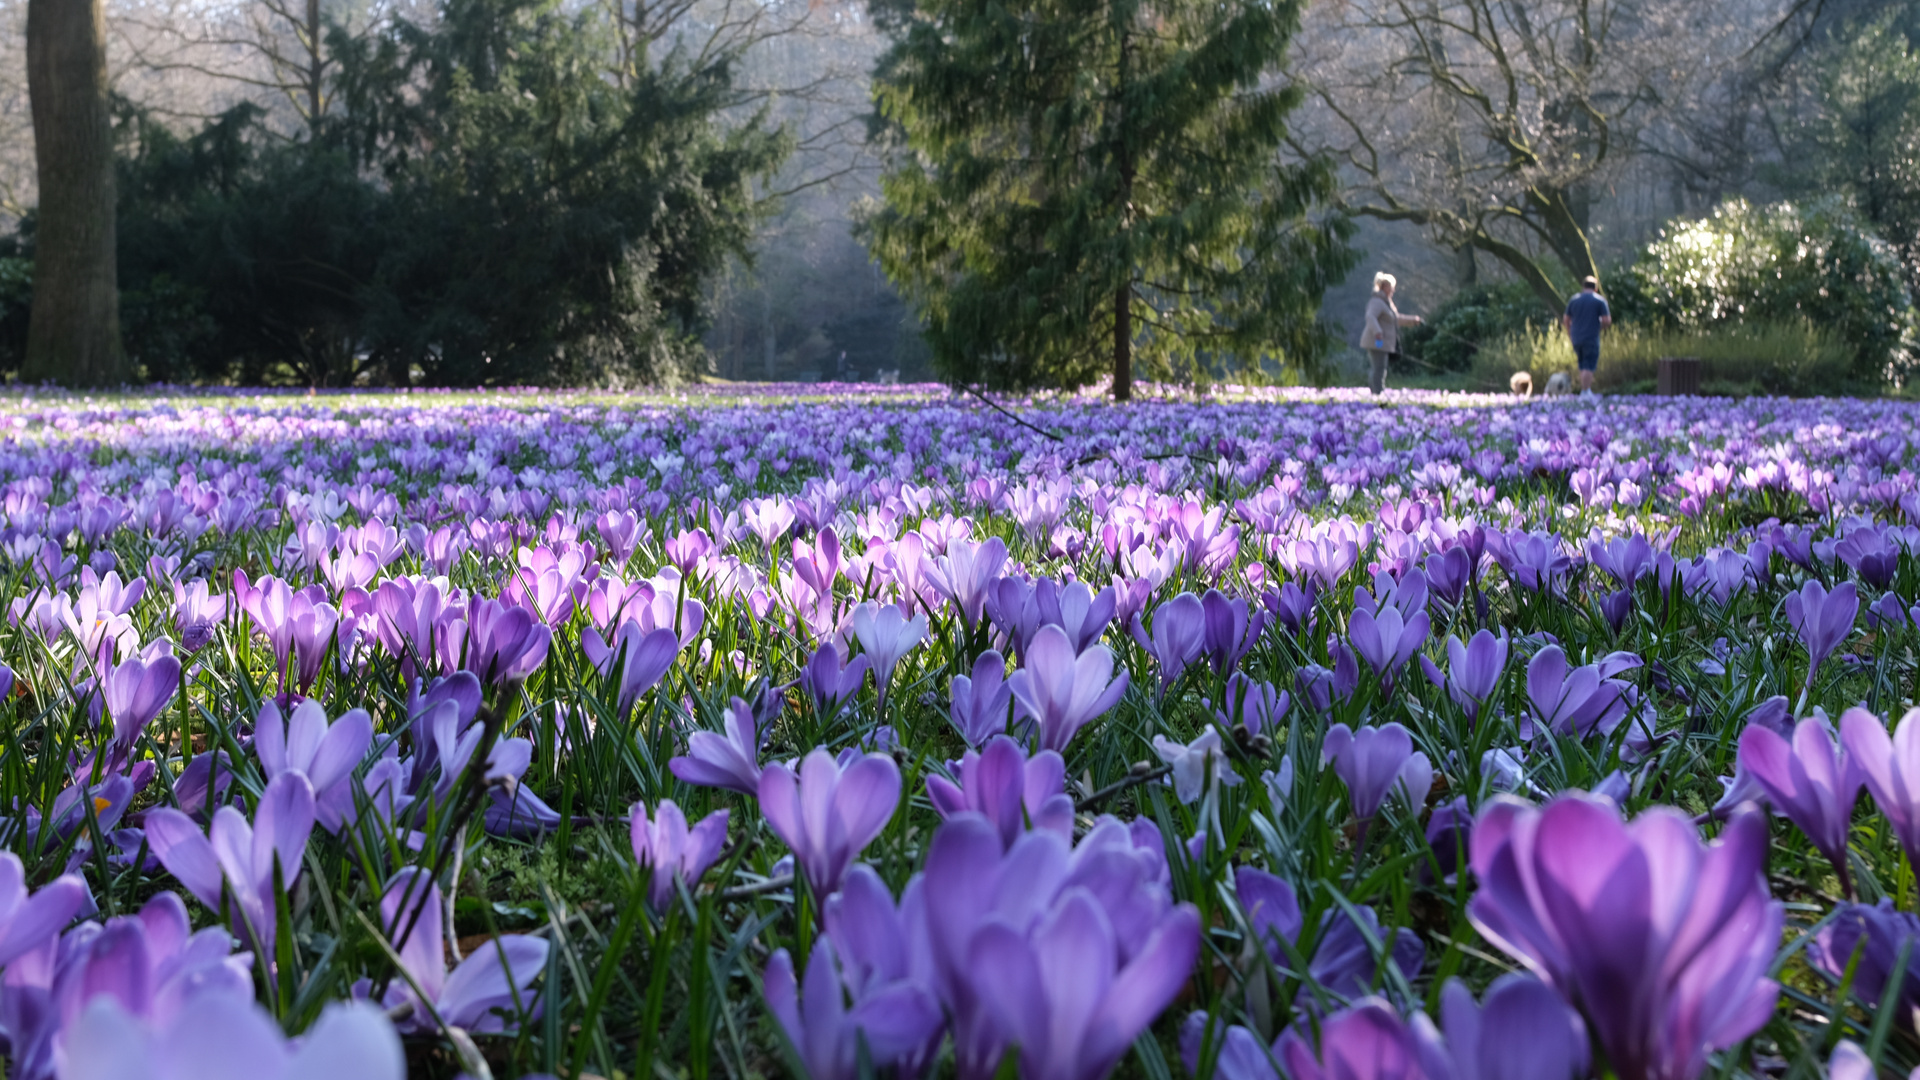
1383, 324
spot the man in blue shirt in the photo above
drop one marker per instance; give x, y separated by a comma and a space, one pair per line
1586, 313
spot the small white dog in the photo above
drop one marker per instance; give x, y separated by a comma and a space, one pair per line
1559, 384
1521, 383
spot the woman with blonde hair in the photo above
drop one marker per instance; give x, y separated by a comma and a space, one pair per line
1380, 334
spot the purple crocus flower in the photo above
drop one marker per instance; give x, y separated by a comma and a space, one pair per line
671, 850
963, 574
1062, 993
1625, 559
108, 1043
982, 702
241, 856
1198, 766
1449, 573
1343, 961
1010, 789
1240, 1054
505, 642
730, 761
1179, 636
1473, 670
1580, 701
1387, 640
487, 992
1822, 619
1811, 780
828, 813
326, 754
1320, 687
1061, 690
136, 691
1375, 762
1448, 829
1890, 768
1230, 630
1661, 941
1253, 705
1365, 1041
1877, 933
30, 920
972, 882
1521, 1029
637, 659
1075, 608
196, 613
886, 634
831, 682
152, 964
893, 1023
1291, 605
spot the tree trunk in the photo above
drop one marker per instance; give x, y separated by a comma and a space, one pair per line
73, 335
1123, 343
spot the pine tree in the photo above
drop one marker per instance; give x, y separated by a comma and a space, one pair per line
1091, 186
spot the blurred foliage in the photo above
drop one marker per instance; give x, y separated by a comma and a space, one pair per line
481, 208
1816, 261
1470, 320
1861, 137
1792, 359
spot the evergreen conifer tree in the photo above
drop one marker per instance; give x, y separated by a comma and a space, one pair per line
1093, 186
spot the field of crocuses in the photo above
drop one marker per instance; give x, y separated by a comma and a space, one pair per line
894, 733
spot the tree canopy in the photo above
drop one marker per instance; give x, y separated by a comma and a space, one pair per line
1080, 186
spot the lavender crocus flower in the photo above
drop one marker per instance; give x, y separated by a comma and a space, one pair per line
242, 857
326, 754
1240, 1055
1061, 690
1291, 605
196, 613
1375, 762
886, 634
1198, 766
1365, 1041
1891, 769
1521, 1029
670, 850
1473, 670
831, 681
1811, 780
136, 691
730, 761
29, 920
963, 574
981, 702
637, 659
108, 1043
1343, 961
1010, 789
486, 993
893, 1023
1578, 701
1062, 992
1822, 619
1230, 630
1876, 933
1661, 941
1386, 641
828, 813
1179, 636
505, 642
1254, 706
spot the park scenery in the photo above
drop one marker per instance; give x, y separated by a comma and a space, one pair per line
959, 539
895, 732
